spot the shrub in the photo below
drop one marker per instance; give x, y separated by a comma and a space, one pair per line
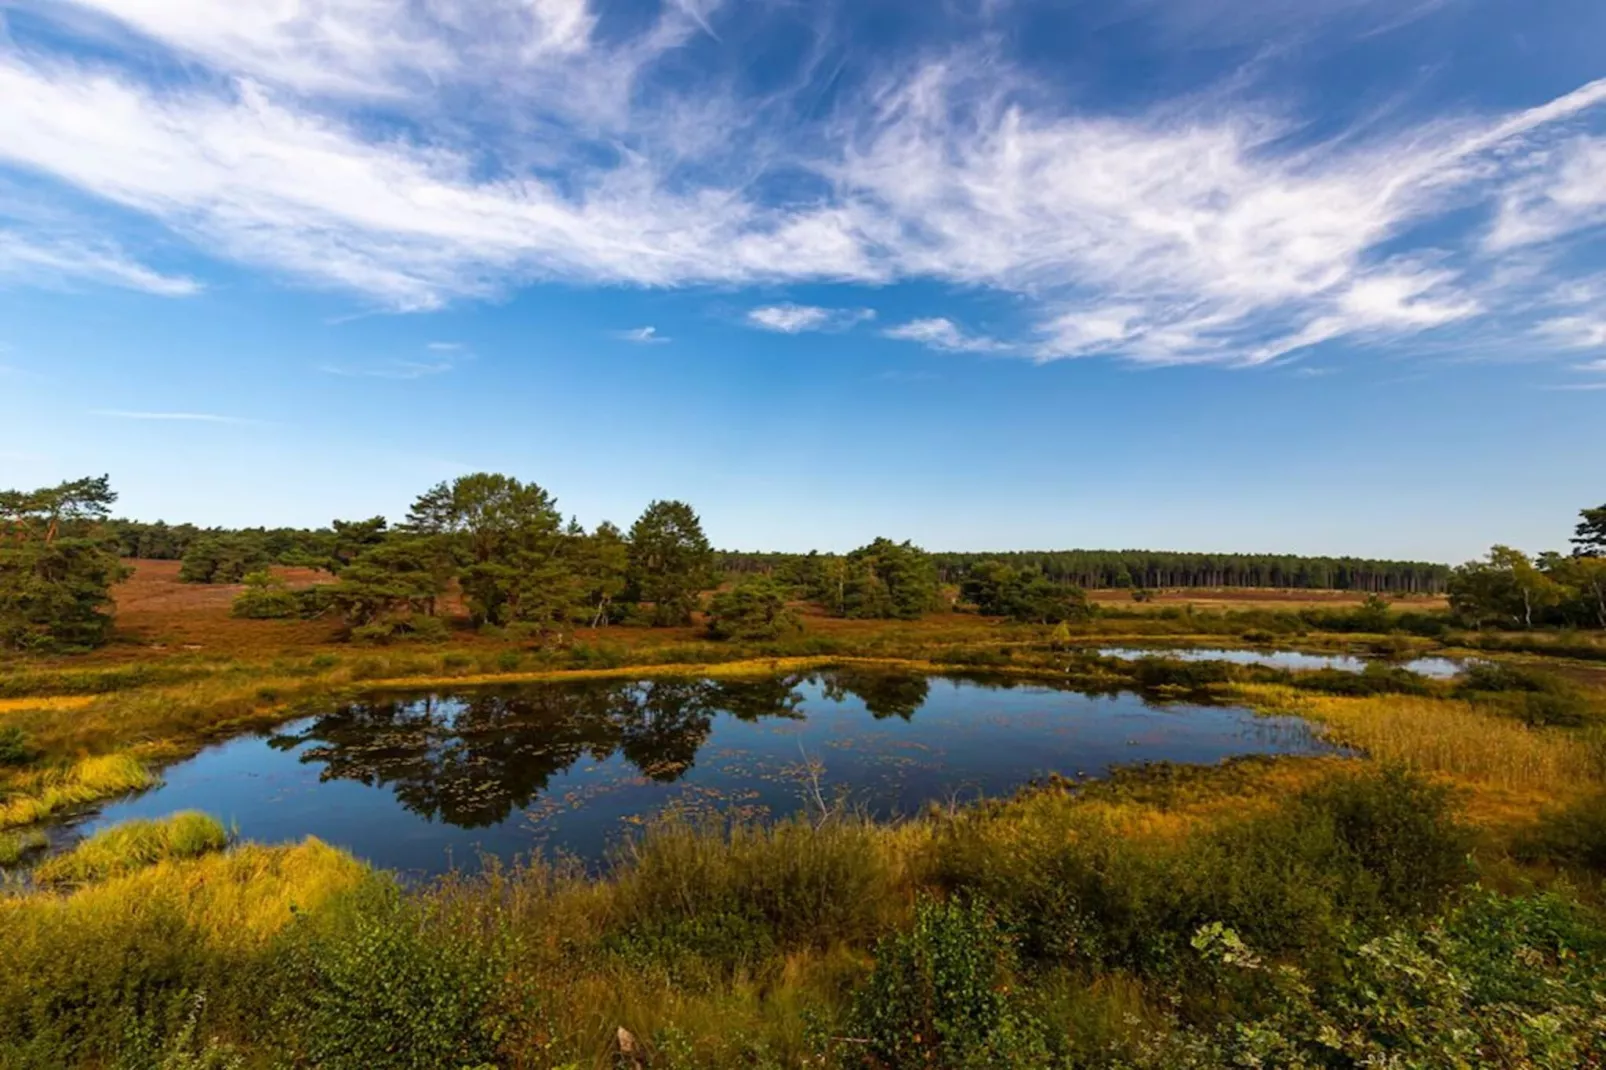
1532, 697
265, 598
14, 749
377, 985
1574, 835
415, 628
939, 995
1374, 679
753, 610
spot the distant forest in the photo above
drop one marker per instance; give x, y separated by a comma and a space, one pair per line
1156, 569
1089, 569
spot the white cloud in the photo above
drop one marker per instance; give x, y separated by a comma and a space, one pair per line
357, 145
641, 336
180, 417
56, 259
1575, 332
940, 333
392, 369
796, 319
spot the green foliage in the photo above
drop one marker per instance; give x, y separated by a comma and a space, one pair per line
1589, 538
754, 610
885, 580
1573, 835
57, 566
1500, 982
671, 562
602, 565
940, 995
265, 598
507, 540
392, 584
224, 558
381, 985
1358, 849
1000, 590
1527, 695
352, 538
1374, 679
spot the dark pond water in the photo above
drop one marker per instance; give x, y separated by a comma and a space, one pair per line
421, 782
1438, 668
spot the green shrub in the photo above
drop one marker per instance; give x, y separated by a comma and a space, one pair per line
14, 749
1527, 695
418, 627
754, 610
1374, 679
265, 598
1573, 835
940, 995
1358, 849
378, 986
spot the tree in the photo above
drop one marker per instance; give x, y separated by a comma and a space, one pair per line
351, 538
224, 558
1000, 590
671, 562
755, 609
1589, 539
602, 565
1506, 588
1583, 578
387, 588
886, 580
507, 539
57, 565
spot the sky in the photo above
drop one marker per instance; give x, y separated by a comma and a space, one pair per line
1225, 275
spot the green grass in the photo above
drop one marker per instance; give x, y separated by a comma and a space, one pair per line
121, 849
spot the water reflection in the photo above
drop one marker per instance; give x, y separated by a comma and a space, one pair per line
414, 782
472, 760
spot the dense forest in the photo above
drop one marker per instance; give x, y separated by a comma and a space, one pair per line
1155, 569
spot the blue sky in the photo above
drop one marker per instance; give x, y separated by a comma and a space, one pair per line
1325, 277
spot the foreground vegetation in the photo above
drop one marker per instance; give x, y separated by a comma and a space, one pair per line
1258, 914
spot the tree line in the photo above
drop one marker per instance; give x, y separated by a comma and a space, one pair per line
1152, 570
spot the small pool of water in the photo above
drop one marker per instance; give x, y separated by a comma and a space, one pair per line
1438, 668
419, 783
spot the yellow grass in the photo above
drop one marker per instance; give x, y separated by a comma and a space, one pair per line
237, 899
46, 702
41, 795
1515, 769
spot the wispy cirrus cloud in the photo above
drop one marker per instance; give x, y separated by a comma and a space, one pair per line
798, 319
357, 145
444, 357
61, 259
644, 336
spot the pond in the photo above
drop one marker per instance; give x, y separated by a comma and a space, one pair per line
1437, 668
419, 783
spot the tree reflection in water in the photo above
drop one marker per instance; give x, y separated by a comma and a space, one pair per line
472, 759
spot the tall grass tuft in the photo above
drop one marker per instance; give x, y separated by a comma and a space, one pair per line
15, 846
1446, 736
133, 845
41, 795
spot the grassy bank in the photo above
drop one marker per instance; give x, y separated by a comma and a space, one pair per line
1247, 915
